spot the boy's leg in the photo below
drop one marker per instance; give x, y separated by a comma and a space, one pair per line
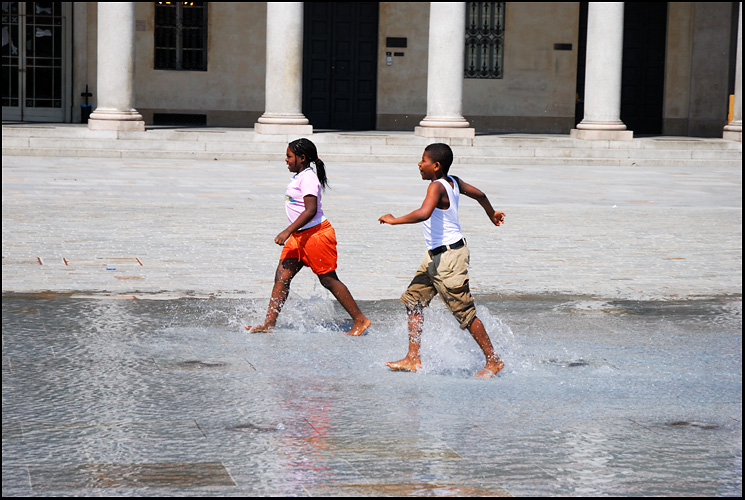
450, 276
331, 282
417, 296
493, 363
286, 270
412, 362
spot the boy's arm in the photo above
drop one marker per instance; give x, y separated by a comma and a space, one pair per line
434, 191
473, 192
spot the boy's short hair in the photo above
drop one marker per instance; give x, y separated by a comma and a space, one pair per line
439, 152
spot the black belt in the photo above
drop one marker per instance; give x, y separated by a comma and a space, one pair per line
458, 244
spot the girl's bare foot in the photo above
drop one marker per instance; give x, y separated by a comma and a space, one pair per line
405, 365
490, 370
359, 327
259, 329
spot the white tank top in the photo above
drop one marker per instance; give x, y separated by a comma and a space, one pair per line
443, 227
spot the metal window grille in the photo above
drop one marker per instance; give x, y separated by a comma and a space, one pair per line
484, 40
11, 53
181, 36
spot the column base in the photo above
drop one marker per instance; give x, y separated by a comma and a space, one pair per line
126, 121
733, 132
283, 124
282, 129
444, 132
732, 136
601, 135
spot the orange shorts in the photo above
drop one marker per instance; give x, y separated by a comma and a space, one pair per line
314, 247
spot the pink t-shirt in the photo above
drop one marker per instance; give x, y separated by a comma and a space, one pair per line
303, 183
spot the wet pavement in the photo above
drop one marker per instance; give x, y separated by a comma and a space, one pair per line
614, 296
172, 397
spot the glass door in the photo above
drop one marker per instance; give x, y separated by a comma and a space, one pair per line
11, 61
34, 61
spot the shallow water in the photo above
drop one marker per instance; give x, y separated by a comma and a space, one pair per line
173, 397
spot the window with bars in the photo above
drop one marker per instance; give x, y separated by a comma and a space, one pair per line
181, 36
484, 40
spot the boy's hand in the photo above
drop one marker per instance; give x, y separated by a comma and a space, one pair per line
497, 218
387, 219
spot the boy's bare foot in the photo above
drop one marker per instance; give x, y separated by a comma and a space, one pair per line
359, 328
490, 370
259, 329
405, 365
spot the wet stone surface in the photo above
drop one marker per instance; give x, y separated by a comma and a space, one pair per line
173, 398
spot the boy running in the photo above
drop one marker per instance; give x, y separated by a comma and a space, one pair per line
444, 269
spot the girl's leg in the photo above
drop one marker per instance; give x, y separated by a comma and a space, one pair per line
331, 282
493, 363
412, 362
286, 270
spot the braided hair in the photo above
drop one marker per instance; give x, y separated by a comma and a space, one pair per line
304, 147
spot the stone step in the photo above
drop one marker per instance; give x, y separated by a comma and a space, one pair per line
369, 147
370, 158
531, 147
370, 138
218, 145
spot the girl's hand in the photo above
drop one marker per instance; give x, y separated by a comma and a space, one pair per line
387, 219
497, 218
282, 238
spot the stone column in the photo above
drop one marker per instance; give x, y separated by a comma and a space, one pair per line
447, 41
602, 120
116, 69
284, 71
733, 130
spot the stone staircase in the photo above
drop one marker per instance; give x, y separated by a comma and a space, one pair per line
212, 143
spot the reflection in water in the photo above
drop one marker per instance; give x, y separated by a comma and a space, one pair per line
589, 456
110, 385
307, 457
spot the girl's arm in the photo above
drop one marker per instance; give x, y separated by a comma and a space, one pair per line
311, 208
473, 192
434, 192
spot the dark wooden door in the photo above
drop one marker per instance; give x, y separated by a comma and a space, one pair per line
643, 81
340, 64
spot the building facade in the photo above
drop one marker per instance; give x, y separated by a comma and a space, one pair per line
593, 70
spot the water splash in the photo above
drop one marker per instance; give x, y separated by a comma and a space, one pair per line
447, 349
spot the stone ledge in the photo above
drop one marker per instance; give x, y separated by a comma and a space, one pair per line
283, 129
434, 132
601, 135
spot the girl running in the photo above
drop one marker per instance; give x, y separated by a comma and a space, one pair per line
309, 240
